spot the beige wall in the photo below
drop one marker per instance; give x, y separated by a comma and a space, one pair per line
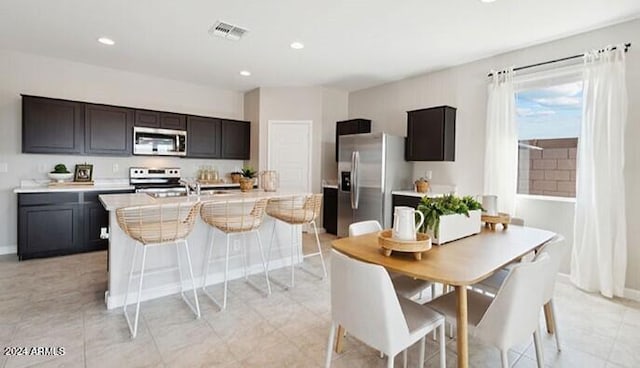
335, 105
464, 87
322, 106
252, 114
36, 75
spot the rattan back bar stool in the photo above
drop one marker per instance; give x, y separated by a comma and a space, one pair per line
297, 210
233, 218
158, 225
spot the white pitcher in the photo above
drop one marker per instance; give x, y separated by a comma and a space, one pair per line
404, 223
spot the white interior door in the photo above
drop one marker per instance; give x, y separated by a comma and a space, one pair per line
289, 153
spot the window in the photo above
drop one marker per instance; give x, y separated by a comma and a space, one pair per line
548, 119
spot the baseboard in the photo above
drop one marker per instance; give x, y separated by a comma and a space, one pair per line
8, 249
631, 294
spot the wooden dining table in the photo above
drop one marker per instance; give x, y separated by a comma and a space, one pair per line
459, 263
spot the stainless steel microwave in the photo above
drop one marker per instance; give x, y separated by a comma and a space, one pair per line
159, 142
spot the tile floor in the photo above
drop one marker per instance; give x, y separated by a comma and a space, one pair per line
59, 302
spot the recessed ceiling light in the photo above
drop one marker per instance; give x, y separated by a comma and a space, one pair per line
297, 45
487, 1
245, 73
106, 41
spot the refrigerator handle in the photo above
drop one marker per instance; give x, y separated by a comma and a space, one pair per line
355, 191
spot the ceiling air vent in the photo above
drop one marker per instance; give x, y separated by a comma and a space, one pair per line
226, 30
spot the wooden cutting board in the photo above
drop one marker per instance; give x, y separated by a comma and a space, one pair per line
71, 184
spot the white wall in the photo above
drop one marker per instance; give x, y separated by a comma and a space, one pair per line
42, 76
464, 87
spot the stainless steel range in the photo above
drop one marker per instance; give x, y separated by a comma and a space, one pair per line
157, 182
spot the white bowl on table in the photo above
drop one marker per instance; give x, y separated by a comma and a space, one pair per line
60, 177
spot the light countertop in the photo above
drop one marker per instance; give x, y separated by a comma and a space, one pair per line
42, 186
115, 201
435, 190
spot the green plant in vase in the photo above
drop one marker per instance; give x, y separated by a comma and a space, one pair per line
433, 208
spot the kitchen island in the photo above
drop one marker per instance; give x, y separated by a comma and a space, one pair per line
161, 271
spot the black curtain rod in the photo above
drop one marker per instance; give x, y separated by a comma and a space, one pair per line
626, 48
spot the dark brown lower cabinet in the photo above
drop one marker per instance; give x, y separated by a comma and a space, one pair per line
330, 210
54, 224
407, 201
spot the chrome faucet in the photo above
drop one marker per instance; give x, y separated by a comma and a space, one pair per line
191, 187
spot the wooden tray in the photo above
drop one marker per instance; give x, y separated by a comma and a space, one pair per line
417, 247
491, 221
70, 183
209, 182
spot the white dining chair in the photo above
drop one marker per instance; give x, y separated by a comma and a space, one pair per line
405, 286
512, 315
364, 302
557, 251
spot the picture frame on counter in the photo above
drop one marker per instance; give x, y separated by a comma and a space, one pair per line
83, 173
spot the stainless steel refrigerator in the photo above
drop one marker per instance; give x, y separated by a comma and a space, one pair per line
370, 166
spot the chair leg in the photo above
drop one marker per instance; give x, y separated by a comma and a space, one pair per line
226, 273
126, 295
193, 283
332, 333
504, 358
293, 251
264, 264
421, 354
244, 256
207, 259
273, 236
404, 358
538, 346
390, 360
443, 352
555, 325
324, 267
134, 329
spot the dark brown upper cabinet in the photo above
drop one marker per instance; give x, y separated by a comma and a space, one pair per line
157, 119
236, 139
108, 130
52, 126
203, 137
353, 126
431, 134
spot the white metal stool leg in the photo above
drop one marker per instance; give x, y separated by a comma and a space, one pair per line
264, 264
222, 305
195, 310
134, 328
293, 263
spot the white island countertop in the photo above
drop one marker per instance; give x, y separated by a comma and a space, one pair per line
114, 201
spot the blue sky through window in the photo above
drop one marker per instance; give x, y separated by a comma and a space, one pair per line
549, 112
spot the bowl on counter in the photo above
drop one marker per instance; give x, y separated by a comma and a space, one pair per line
60, 177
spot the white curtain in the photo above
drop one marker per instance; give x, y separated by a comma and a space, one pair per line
501, 150
599, 256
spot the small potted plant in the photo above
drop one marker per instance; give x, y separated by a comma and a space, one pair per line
60, 173
247, 179
235, 177
450, 217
